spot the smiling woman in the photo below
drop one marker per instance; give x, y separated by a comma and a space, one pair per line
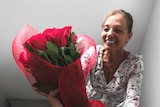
117, 75
114, 23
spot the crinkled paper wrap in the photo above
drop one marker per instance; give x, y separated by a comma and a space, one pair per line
70, 80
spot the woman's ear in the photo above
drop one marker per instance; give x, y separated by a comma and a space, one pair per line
129, 36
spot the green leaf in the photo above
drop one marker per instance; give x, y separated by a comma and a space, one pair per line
77, 55
40, 52
44, 55
53, 55
73, 50
62, 51
73, 34
52, 47
55, 58
69, 58
28, 47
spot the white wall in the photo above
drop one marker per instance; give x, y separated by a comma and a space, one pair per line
151, 51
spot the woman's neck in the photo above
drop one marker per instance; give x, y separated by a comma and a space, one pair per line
113, 56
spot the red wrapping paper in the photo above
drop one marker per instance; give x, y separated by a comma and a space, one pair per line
70, 79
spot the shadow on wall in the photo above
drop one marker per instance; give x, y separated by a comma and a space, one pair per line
27, 103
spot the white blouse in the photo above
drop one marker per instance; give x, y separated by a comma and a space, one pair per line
124, 89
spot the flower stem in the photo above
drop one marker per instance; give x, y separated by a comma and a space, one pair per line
64, 56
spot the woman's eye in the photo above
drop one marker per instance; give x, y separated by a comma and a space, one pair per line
106, 29
118, 30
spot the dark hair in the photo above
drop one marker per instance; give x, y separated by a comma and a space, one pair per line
126, 15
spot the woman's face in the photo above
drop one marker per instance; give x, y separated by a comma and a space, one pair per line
115, 33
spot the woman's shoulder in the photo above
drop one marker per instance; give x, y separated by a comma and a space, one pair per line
134, 60
134, 56
132, 64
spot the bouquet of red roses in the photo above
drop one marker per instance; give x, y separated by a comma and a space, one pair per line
56, 58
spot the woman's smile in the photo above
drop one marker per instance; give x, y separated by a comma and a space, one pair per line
111, 42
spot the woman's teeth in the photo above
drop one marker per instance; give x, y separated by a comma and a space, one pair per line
110, 41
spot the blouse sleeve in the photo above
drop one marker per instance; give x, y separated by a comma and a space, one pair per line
133, 91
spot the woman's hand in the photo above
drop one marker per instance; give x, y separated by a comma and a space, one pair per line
53, 100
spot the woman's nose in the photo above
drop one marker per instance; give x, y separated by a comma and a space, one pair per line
110, 33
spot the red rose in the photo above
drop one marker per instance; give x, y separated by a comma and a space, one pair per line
58, 36
37, 42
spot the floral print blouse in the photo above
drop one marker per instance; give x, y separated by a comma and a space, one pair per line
124, 89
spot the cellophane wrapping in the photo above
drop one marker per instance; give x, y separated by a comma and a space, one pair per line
70, 79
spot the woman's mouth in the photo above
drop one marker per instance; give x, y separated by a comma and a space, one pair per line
110, 42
